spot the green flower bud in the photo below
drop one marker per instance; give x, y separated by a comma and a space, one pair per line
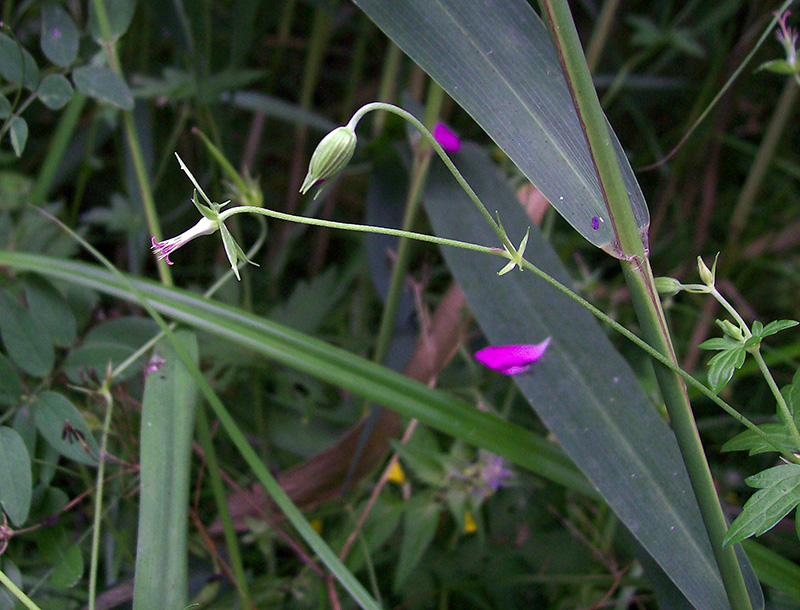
331, 156
706, 274
668, 286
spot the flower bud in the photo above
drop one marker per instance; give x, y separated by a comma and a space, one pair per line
333, 153
706, 274
668, 286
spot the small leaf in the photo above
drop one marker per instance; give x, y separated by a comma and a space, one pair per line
25, 345
11, 389
720, 343
779, 66
780, 494
55, 416
104, 85
777, 326
419, 527
59, 35
15, 476
16, 64
19, 134
55, 91
722, 366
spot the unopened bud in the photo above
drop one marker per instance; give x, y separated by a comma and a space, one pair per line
706, 274
668, 286
333, 153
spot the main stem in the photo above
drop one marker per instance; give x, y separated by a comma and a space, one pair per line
636, 268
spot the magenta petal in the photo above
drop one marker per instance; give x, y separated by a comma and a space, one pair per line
511, 359
446, 138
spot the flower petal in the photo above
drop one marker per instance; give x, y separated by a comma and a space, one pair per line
511, 359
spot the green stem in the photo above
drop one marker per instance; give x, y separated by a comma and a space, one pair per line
783, 408
17, 592
98, 495
639, 277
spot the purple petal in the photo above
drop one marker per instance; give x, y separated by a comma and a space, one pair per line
446, 138
511, 359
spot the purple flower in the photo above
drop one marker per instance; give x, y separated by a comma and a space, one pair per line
446, 138
162, 249
511, 359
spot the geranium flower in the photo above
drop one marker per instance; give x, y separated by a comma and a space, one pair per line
162, 249
511, 359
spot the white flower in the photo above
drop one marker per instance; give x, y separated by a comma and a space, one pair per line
162, 249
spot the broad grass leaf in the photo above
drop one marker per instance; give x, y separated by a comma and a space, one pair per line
16, 483
582, 389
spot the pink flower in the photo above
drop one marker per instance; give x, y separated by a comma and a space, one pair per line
162, 249
446, 138
511, 359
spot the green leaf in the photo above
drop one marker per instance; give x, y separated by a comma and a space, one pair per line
780, 66
750, 441
59, 35
777, 326
11, 389
720, 343
170, 397
512, 85
5, 107
18, 133
25, 345
722, 366
55, 91
16, 484
774, 570
582, 389
780, 493
54, 415
62, 554
792, 396
8, 601
420, 521
119, 14
51, 311
103, 84
16, 64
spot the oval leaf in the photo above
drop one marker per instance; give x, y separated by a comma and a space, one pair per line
31, 350
59, 35
51, 311
16, 64
63, 427
104, 85
55, 91
119, 13
15, 476
19, 134
10, 384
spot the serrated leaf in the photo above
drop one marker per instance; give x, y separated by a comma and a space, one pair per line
59, 35
750, 441
25, 345
16, 64
18, 132
722, 366
103, 84
780, 494
15, 476
55, 91
419, 527
777, 326
54, 415
719, 343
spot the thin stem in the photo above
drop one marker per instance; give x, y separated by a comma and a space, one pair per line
17, 592
98, 496
783, 408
